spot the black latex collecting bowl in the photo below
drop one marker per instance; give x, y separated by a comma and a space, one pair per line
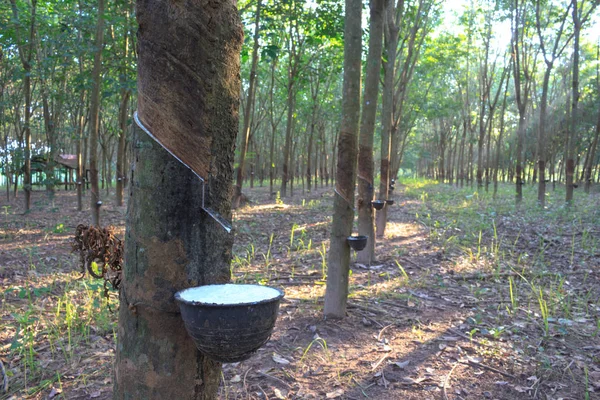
378, 204
389, 202
232, 331
357, 243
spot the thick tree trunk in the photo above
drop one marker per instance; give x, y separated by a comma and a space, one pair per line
170, 242
336, 295
95, 117
367, 129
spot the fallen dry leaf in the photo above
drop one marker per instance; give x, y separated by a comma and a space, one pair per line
280, 360
335, 394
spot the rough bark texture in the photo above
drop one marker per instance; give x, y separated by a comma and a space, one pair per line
183, 49
336, 295
170, 242
367, 128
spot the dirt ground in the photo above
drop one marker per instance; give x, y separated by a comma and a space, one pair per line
470, 298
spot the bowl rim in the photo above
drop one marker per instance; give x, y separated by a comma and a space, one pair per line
179, 299
357, 238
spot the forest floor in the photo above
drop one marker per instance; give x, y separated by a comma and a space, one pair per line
470, 298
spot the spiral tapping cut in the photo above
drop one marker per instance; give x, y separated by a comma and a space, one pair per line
213, 214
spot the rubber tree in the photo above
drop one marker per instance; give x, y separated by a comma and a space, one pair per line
95, 117
336, 294
393, 15
248, 110
580, 15
25, 47
523, 65
367, 129
125, 94
422, 17
188, 97
550, 54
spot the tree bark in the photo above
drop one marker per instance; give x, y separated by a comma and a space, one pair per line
336, 295
171, 243
367, 129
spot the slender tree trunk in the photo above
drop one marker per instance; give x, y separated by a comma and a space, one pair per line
248, 111
26, 56
336, 295
572, 132
391, 35
273, 130
170, 242
288, 137
499, 145
588, 169
95, 117
367, 129
309, 155
123, 110
121, 176
80, 166
461, 156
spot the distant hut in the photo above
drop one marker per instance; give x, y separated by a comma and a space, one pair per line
67, 162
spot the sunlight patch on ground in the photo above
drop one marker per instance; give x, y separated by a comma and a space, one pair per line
399, 230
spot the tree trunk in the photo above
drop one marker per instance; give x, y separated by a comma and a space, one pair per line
26, 56
288, 136
95, 117
499, 145
273, 130
367, 129
171, 243
572, 132
590, 164
123, 108
336, 295
461, 156
121, 146
247, 112
391, 36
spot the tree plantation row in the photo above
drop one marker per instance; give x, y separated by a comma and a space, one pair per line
465, 103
